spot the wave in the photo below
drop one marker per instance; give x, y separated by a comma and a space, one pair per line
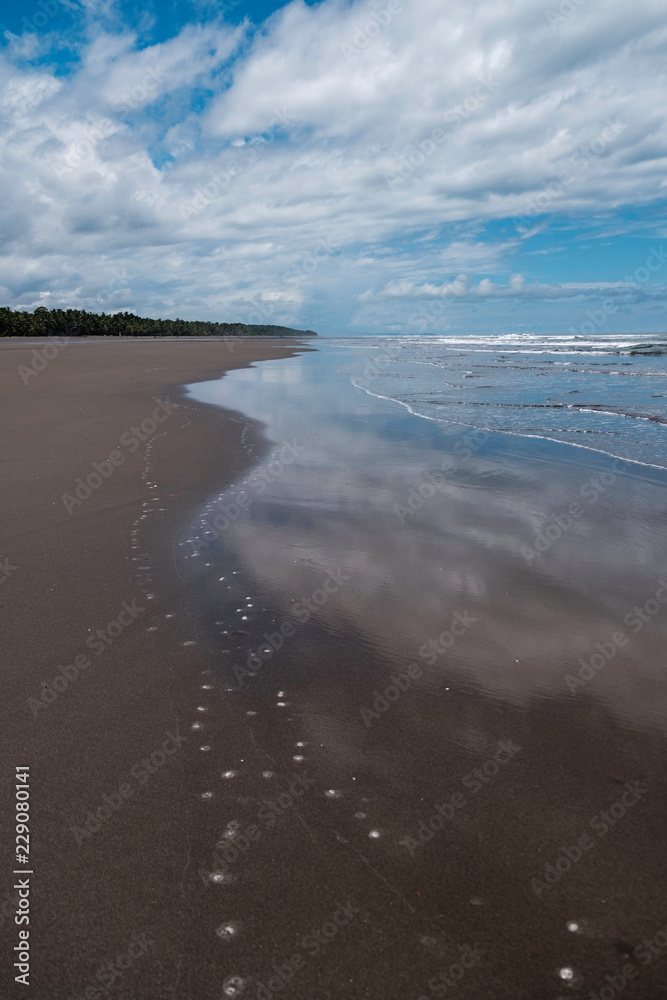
649, 350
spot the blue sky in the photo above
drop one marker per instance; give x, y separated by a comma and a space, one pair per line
348, 167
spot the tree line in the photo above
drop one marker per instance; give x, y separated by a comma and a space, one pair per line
78, 323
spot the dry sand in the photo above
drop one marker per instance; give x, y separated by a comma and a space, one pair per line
69, 574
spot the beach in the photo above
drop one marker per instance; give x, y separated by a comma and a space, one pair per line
354, 703
68, 577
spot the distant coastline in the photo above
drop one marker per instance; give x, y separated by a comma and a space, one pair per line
79, 323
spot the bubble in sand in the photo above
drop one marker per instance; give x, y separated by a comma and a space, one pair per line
219, 878
333, 793
298, 758
233, 986
566, 973
207, 795
227, 931
196, 725
573, 926
374, 834
267, 774
228, 774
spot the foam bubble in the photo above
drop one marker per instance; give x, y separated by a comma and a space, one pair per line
227, 931
233, 986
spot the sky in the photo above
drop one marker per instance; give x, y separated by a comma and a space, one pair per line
364, 167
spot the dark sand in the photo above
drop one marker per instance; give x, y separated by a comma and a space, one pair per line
72, 576
409, 918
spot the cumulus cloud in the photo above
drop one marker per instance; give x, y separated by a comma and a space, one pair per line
381, 131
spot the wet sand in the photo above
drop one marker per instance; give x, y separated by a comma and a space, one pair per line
335, 854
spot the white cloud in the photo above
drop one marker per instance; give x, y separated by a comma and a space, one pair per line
463, 288
322, 125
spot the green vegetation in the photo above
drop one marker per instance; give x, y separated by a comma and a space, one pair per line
77, 323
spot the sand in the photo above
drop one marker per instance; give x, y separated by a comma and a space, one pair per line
69, 575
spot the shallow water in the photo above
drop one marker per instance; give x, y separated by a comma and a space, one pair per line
393, 602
